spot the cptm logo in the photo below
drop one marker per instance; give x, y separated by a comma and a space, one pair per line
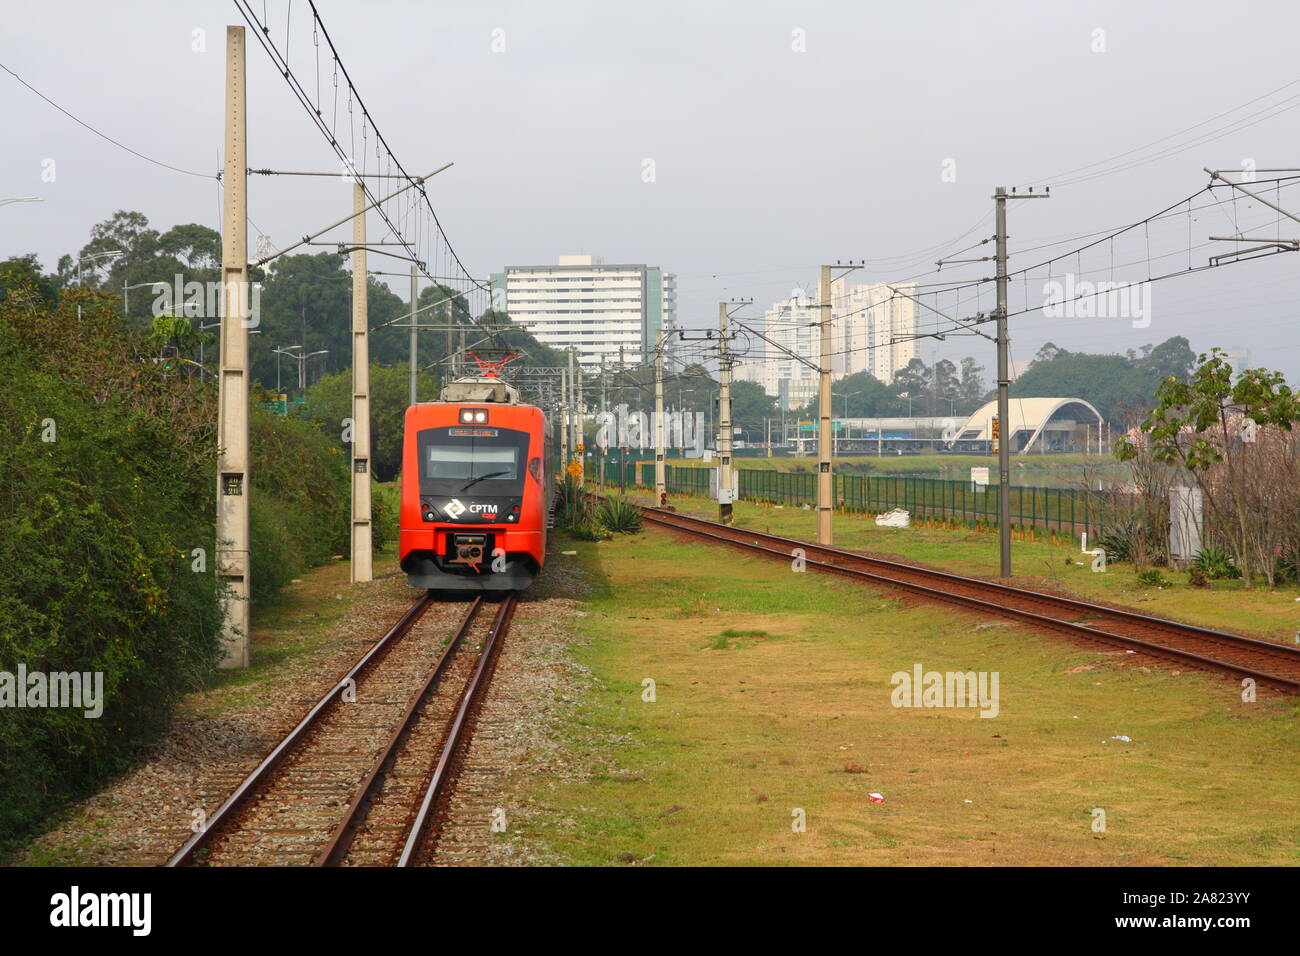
454, 508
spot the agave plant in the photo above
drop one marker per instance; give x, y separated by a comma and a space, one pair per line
619, 516
1216, 563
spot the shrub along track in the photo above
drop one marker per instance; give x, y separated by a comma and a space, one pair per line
364, 776
1265, 661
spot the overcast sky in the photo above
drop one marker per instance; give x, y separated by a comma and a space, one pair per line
782, 135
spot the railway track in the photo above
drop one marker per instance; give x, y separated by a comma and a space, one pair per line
364, 777
1267, 662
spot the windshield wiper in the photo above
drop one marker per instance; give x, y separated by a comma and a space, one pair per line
490, 474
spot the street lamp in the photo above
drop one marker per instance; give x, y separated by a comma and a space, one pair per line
846, 396
303, 373
5, 202
216, 325
283, 350
681, 414
126, 306
302, 363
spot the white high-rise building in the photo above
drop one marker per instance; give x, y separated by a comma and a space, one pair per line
583, 303
866, 325
872, 328
790, 324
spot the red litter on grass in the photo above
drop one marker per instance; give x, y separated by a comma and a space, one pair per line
876, 797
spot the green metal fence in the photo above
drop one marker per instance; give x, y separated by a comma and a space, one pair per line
1064, 510
1067, 510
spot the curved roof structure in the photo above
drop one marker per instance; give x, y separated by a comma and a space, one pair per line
1029, 415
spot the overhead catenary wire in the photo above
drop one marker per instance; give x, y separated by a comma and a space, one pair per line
104, 136
351, 158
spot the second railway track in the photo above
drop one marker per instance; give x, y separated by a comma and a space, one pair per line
363, 779
1265, 661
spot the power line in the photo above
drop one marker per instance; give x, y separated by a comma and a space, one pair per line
105, 136
1233, 127
329, 129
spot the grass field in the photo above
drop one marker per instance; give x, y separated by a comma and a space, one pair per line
772, 704
1042, 563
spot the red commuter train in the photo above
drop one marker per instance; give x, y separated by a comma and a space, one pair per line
475, 489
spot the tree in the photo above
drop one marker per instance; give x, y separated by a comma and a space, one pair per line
970, 394
868, 397
1048, 352
329, 403
198, 246
913, 384
1211, 427
1121, 387
19, 271
177, 332
306, 300
945, 386
185, 253
750, 408
1171, 357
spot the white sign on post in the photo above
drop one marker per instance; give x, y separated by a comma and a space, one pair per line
979, 477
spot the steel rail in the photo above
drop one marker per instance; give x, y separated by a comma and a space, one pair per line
262, 773
336, 850
457, 736
700, 527
1073, 603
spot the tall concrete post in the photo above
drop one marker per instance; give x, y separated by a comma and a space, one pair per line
569, 411
1004, 381
415, 338
232, 545
825, 480
449, 367
580, 437
622, 432
564, 421
362, 560
724, 420
604, 426
661, 481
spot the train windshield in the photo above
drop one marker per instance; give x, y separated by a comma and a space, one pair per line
487, 460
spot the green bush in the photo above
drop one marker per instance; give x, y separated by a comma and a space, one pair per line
1288, 568
329, 402
107, 537
618, 515
1119, 539
1216, 563
588, 530
300, 496
1152, 578
572, 506
385, 505
97, 532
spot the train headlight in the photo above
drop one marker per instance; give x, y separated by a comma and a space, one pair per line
473, 416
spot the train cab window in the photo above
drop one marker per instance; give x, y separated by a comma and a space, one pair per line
489, 461
468, 462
